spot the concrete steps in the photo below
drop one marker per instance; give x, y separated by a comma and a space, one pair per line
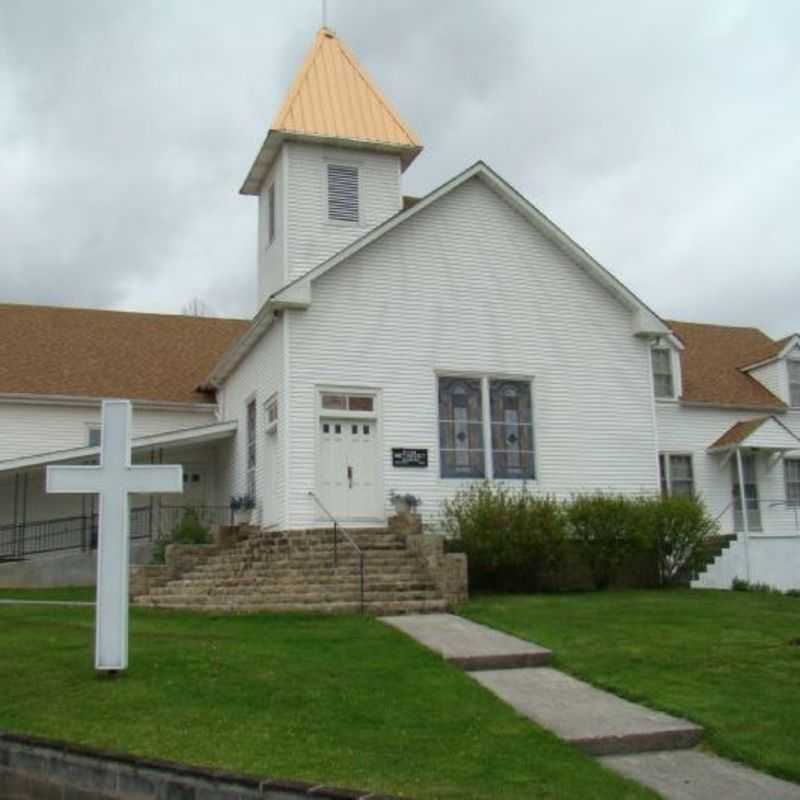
267, 571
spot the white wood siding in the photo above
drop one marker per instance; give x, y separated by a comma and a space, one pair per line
258, 375
312, 237
692, 430
28, 429
467, 285
272, 257
774, 377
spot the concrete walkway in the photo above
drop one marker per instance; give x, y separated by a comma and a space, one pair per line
644, 745
469, 645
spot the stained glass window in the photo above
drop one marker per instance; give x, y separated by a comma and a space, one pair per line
461, 428
512, 429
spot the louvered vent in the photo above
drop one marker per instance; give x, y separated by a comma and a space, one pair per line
342, 193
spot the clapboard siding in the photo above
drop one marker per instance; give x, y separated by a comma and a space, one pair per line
773, 376
312, 238
259, 375
28, 428
272, 256
692, 430
468, 285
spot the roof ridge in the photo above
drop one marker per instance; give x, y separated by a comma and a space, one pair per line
719, 325
160, 314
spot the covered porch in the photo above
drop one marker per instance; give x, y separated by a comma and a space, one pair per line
751, 456
34, 523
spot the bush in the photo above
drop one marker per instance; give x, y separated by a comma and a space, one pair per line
675, 530
519, 542
606, 531
741, 585
188, 531
514, 541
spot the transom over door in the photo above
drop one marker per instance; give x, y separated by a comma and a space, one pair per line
348, 469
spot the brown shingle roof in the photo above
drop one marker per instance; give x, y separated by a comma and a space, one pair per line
89, 353
739, 432
711, 364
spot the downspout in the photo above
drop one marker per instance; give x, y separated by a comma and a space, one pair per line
745, 521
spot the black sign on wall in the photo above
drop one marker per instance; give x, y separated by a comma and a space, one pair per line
409, 457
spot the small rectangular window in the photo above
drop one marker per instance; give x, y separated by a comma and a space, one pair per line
794, 383
662, 372
271, 214
334, 402
358, 403
342, 193
676, 475
791, 469
94, 437
251, 448
512, 429
271, 414
461, 428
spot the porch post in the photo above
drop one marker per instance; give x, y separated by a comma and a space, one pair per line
743, 504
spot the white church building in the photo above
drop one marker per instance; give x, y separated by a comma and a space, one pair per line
408, 346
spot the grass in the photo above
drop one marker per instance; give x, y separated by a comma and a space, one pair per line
82, 594
342, 700
729, 661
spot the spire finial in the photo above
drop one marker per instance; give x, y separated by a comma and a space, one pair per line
324, 13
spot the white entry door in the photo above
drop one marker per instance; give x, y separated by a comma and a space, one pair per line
349, 484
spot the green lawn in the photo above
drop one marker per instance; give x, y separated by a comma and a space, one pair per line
727, 660
343, 700
72, 593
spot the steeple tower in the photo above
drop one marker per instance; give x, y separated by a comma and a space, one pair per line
329, 168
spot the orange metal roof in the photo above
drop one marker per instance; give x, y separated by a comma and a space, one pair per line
332, 96
333, 100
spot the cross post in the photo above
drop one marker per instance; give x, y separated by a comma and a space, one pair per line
114, 479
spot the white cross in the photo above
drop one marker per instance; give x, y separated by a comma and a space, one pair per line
114, 480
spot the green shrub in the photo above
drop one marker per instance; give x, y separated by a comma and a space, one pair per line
514, 541
741, 585
188, 531
675, 530
606, 530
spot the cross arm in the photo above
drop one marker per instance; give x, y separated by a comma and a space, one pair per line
73, 479
153, 479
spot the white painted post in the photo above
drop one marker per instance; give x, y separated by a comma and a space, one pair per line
113, 480
745, 521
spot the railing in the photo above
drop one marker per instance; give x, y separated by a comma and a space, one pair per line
337, 529
764, 514
20, 540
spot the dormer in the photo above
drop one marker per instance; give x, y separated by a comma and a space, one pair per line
329, 169
780, 372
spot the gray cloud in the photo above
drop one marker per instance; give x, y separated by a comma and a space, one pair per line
663, 136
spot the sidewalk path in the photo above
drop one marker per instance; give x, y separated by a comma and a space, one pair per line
644, 745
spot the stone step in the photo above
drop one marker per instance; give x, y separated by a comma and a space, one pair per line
294, 589
344, 607
597, 722
469, 645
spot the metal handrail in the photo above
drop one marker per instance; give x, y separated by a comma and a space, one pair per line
763, 502
349, 539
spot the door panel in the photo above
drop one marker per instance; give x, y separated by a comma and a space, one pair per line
751, 499
348, 468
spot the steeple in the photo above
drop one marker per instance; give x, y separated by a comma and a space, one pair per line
333, 101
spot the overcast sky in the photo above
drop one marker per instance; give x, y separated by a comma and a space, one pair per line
663, 136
